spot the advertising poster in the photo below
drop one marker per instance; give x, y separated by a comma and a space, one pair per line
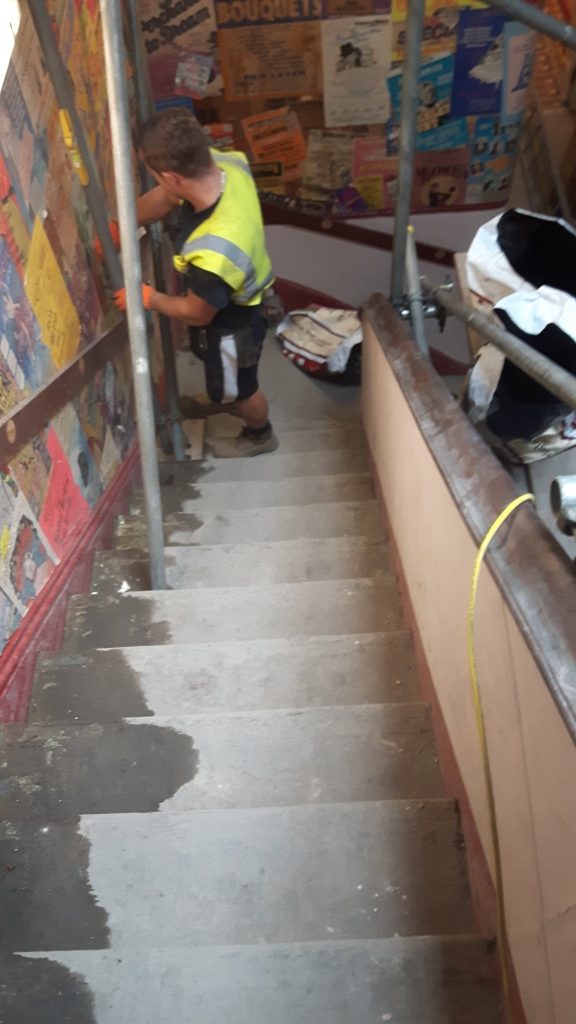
356, 55
187, 24
375, 173
27, 358
50, 300
276, 135
65, 509
439, 34
221, 136
10, 392
478, 64
192, 75
31, 469
440, 179
519, 52
492, 156
434, 93
350, 8
328, 166
73, 441
14, 230
272, 61
451, 135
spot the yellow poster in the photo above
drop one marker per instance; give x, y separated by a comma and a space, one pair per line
49, 298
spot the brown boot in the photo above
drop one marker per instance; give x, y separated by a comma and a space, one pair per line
245, 445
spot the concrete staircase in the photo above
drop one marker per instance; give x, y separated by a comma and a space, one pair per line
226, 807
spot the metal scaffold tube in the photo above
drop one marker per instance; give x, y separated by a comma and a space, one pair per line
114, 57
539, 20
415, 300
145, 109
407, 143
549, 375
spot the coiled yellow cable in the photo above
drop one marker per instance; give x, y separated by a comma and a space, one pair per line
481, 727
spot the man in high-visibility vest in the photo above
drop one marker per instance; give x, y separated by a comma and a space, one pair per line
225, 269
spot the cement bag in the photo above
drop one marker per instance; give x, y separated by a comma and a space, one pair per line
520, 251
323, 342
518, 417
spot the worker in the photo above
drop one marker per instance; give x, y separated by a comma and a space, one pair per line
224, 266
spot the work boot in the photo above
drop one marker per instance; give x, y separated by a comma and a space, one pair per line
198, 407
246, 444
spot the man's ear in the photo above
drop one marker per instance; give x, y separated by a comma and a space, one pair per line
171, 179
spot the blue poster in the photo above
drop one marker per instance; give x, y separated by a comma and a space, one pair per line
478, 64
434, 92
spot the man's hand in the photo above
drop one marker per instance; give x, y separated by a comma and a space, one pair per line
115, 232
148, 294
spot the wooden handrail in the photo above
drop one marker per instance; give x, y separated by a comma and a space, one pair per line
30, 416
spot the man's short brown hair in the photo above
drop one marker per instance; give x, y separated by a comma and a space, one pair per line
173, 140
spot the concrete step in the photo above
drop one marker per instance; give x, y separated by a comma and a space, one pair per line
278, 610
440, 980
222, 565
208, 496
319, 755
278, 466
288, 874
236, 526
108, 685
317, 437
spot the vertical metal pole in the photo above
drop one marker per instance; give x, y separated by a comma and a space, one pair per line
144, 105
408, 112
415, 293
64, 93
114, 59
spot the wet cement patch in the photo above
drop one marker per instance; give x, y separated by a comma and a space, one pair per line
57, 772
40, 990
45, 894
78, 688
89, 624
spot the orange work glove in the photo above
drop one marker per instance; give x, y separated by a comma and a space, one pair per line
115, 232
147, 293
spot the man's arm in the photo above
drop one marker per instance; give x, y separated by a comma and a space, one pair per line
154, 205
189, 308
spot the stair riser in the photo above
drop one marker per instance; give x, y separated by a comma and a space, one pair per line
433, 981
234, 565
238, 613
277, 466
293, 874
270, 524
227, 677
207, 496
185, 764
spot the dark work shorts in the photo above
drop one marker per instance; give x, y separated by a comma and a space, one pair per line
230, 359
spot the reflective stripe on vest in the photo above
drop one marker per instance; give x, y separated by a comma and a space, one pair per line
240, 259
226, 158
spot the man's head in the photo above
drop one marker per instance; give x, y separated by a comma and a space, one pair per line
175, 149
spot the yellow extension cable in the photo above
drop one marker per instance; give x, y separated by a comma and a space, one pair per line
481, 726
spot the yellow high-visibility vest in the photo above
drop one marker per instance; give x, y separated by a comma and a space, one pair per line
231, 242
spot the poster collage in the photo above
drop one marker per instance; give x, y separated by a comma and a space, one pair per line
311, 90
53, 303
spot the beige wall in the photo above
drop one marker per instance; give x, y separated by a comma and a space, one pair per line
533, 757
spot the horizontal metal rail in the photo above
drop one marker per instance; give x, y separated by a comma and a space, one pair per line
546, 373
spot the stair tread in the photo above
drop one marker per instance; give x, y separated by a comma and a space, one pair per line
435, 980
239, 526
221, 565
209, 495
243, 613
215, 877
320, 755
278, 466
106, 685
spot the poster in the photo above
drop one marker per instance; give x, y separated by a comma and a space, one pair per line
328, 165
21, 346
492, 156
272, 61
276, 135
519, 52
439, 34
14, 230
434, 93
451, 135
478, 64
269, 177
356, 54
440, 179
74, 442
49, 298
192, 75
221, 136
348, 8
31, 469
64, 509
188, 24
375, 173
26, 558
242, 13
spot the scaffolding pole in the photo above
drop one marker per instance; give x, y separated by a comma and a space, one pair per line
534, 18
145, 109
415, 299
407, 144
114, 59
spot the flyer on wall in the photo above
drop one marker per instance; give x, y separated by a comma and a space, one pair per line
356, 54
